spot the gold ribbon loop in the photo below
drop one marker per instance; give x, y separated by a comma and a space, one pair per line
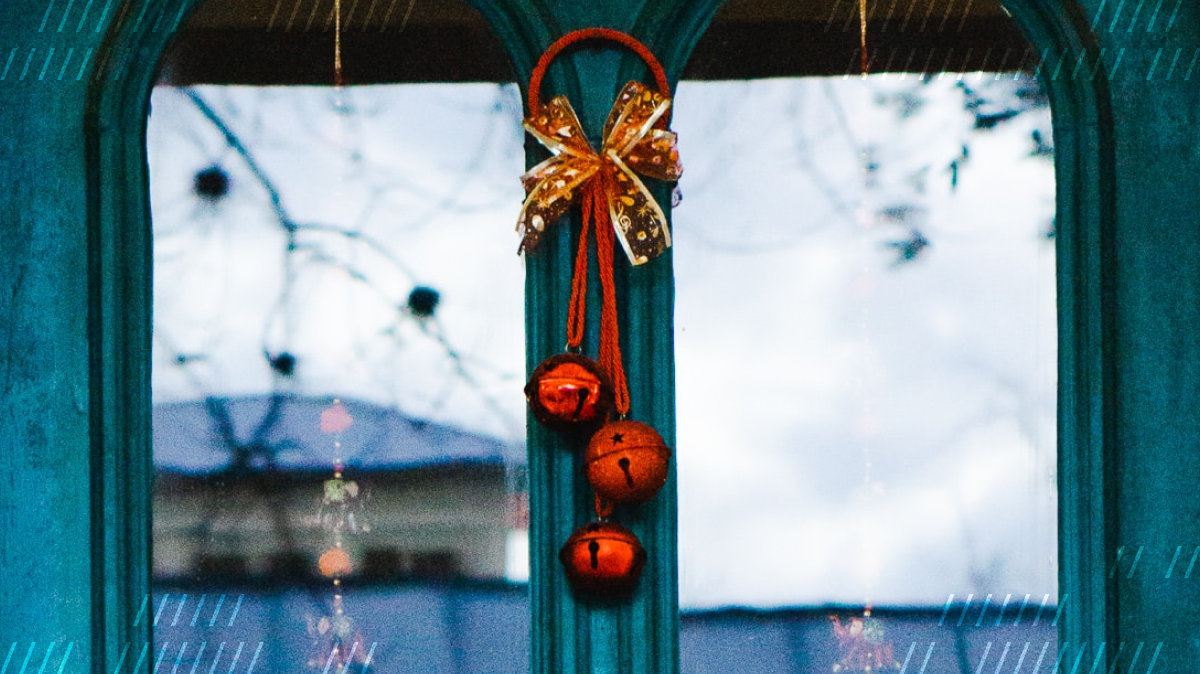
631, 146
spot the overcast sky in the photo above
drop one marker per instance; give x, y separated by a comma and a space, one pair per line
853, 427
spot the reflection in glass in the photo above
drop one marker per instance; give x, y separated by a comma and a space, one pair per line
865, 333
865, 342
338, 354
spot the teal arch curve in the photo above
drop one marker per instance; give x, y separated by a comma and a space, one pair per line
120, 267
1085, 215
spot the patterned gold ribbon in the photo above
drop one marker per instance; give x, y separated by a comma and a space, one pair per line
632, 146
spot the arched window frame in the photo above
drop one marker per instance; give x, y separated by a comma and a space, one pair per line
103, 432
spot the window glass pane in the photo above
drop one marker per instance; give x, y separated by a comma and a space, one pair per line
865, 329
338, 358
866, 361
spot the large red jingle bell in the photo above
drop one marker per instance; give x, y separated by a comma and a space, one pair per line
568, 392
626, 462
603, 559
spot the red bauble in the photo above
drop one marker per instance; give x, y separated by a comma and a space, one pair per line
627, 462
568, 392
603, 559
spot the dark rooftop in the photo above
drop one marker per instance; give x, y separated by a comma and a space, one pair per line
284, 432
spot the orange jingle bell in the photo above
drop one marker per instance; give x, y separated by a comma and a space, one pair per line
626, 462
603, 559
569, 392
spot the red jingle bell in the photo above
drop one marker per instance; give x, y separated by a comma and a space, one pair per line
626, 462
603, 559
569, 392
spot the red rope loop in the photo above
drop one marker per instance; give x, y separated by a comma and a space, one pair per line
610, 337
595, 216
604, 507
578, 306
575, 36
595, 208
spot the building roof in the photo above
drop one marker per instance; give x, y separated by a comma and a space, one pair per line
283, 432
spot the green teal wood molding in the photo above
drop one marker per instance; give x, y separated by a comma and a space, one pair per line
571, 635
1156, 306
120, 263
76, 312
1125, 114
54, 593
47, 583
1084, 221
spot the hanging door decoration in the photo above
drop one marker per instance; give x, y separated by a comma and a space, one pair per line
626, 461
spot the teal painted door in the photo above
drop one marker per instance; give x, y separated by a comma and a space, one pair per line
74, 315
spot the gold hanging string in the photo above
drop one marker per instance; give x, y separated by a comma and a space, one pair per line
337, 42
862, 33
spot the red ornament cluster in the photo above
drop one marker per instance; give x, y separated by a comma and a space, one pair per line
626, 462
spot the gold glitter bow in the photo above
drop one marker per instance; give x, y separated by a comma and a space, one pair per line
631, 146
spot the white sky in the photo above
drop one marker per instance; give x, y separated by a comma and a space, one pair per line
850, 429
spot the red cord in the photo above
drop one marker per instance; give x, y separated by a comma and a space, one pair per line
578, 305
610, 337
594, 207
604, 507
539, 70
